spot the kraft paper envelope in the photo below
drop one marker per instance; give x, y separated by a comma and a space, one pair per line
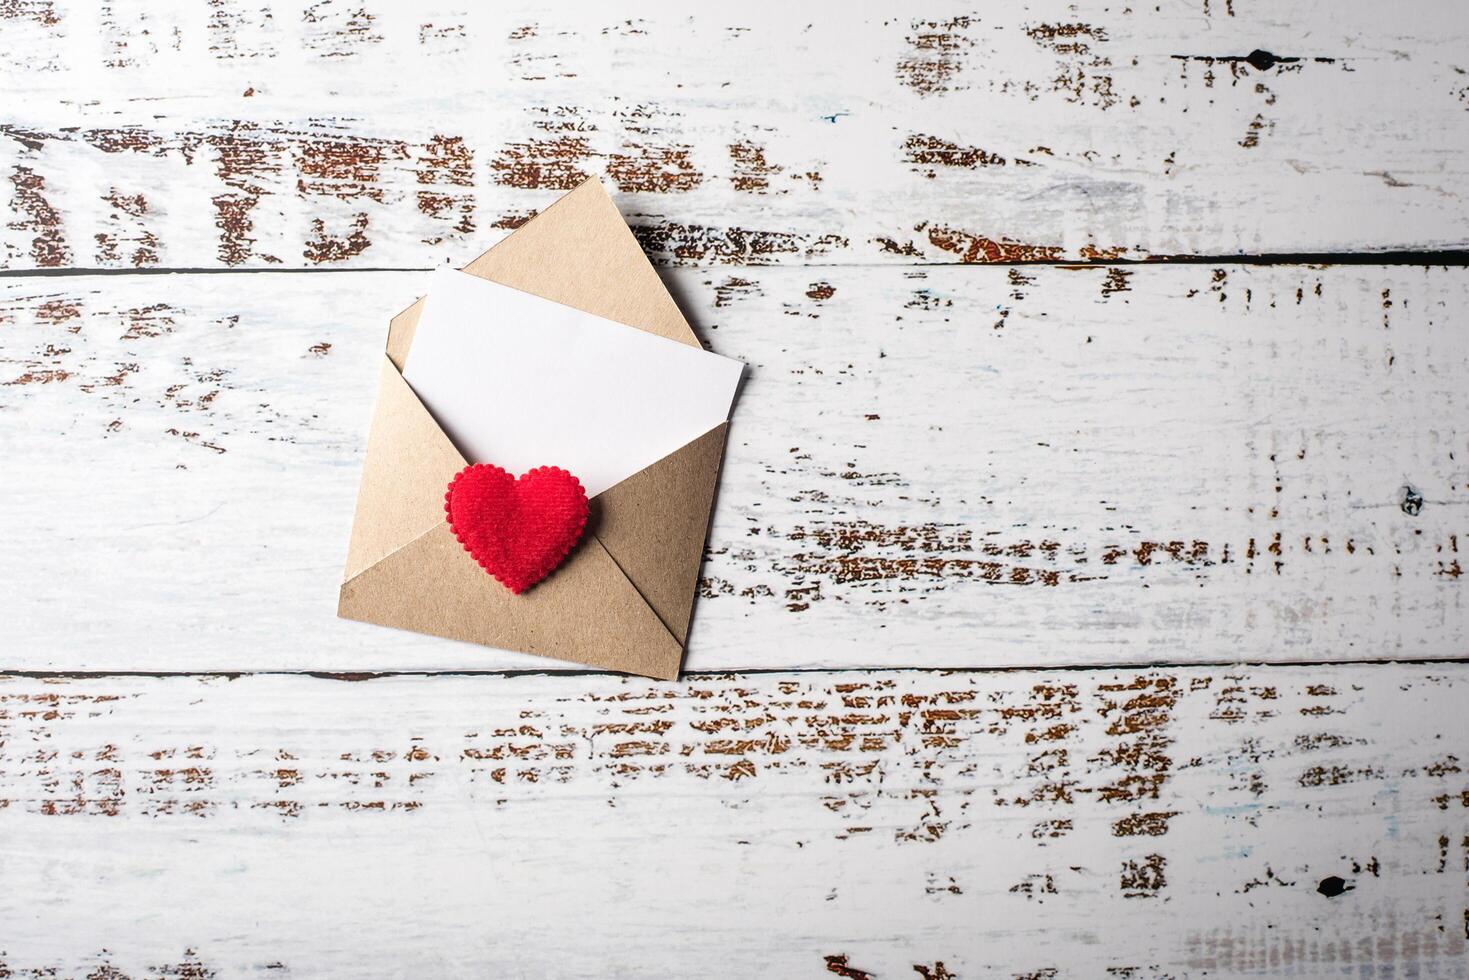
623, 598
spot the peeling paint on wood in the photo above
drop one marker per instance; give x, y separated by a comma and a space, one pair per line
927, 467
936, 465
1098, 130
913, 823
37, 218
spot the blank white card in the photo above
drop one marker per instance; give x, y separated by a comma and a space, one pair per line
519, 381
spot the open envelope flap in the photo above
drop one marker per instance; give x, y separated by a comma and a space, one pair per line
654, 524
580, 253
587, 611
408, 467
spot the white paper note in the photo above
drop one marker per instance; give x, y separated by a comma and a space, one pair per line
519, 381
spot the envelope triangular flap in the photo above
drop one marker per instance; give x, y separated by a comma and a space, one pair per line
654, 524
580, 253
587, 612
408, 464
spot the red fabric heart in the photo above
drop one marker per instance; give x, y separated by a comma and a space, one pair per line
517, 529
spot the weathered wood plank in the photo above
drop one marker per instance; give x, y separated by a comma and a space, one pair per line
1184, 822
954, 467
264, 134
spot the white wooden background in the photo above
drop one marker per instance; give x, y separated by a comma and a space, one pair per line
1067, 356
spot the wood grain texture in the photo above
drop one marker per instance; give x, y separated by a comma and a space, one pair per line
1188, 822
955, 466
945, 455
258, 135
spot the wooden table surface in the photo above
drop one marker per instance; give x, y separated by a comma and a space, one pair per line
1084, 596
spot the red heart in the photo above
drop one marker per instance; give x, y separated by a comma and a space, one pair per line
518, 530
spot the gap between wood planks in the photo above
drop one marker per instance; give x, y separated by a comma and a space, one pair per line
1454, 258
368, 675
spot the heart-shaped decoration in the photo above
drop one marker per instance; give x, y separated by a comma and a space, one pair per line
517, 529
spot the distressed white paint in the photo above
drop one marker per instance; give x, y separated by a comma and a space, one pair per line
780, 131
590, 827
956, 467
918, 454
